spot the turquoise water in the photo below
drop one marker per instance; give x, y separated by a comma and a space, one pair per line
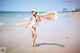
13, 18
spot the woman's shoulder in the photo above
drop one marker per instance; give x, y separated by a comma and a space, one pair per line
38, 16
31, 17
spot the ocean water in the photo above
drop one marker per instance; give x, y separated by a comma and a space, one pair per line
13, 18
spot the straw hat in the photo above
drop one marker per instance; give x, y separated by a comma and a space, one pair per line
33, 10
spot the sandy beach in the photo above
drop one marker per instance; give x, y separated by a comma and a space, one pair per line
61, 36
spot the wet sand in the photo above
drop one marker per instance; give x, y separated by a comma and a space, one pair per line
61, 36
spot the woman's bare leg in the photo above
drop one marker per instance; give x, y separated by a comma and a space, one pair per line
34, 35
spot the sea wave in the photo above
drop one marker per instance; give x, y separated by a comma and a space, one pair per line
17, 24
19, 15
5, 24
26, 18
2, 23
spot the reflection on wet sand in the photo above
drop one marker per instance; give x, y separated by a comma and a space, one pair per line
33, 50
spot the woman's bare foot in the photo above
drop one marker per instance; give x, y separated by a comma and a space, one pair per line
33, 45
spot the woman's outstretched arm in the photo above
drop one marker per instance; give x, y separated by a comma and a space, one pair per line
28, 22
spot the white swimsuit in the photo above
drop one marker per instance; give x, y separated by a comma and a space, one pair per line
33, 22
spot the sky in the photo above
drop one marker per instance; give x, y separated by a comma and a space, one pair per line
39, 5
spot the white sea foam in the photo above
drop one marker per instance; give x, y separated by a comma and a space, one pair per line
26, 18
19, 24
2, 23
19, 15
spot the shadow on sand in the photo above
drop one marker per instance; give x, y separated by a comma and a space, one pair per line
40, 44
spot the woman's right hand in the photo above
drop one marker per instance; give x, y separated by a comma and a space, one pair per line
28, 22
26, 26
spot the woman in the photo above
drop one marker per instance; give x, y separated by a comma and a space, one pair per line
32, 23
